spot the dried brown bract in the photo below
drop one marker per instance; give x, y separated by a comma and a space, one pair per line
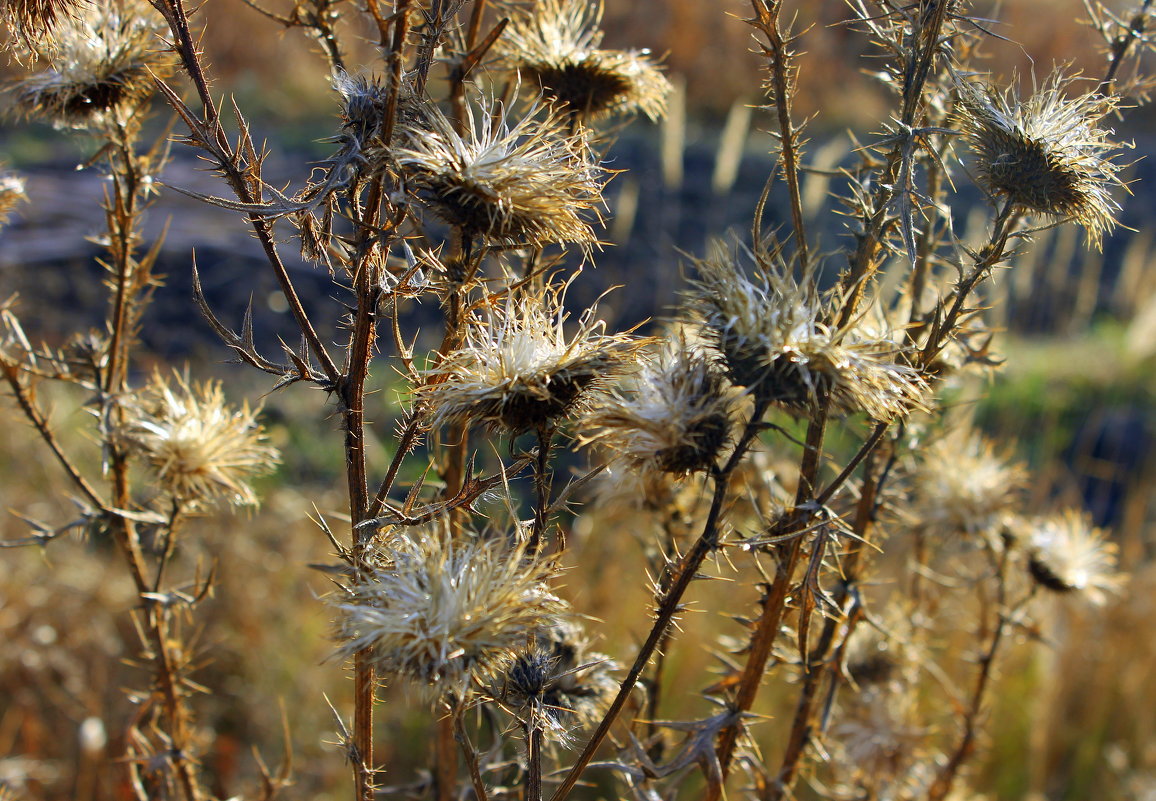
1045, 154
102, 64
518, 370
555, 47
528, 183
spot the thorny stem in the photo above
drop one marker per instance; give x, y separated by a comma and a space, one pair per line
542, 476
1122, 44
471, 755
820, 663
353, 399
28, 405
783, 87
533, 762
991, 254
237, 177
409, 435
966, 746
774, 604
446, 755
671, 602
395, 60
123, 221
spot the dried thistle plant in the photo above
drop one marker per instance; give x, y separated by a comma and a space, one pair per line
34, 18
447, 609
518, 369
777, 337
554, 46
101, 66
557, 684
484, 206
1067, 554
963, 485
11, 195
673, 416
1046, 153
201, 450
526, 183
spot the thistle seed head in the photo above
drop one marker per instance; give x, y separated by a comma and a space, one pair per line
1046, 153
101, 66
11, 194
447, 611
201, 450
1067, 554
32, 19
518, 370
555, 46
875, 739
557, 684
963, 485
673, 416
771, 333
528, 183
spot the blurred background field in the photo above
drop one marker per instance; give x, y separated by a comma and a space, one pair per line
1075, 717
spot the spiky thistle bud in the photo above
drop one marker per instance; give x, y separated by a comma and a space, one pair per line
555, 46
1045, 154
1067, 554
201, 450
672, 416
101, 66
963, 485
518, 370
557, 684
526, 183
446, 610
772, 334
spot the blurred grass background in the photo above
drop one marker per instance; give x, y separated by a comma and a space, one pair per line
1075, 719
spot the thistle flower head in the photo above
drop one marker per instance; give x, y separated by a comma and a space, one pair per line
101, 66
557, 684
964, 485
1067, 554
11, 194
518, 370
528, 183
673, 416
201, 450
447, 610
1045, 154
555, 46
773, 338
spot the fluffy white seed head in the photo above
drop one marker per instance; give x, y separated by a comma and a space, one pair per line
510, 184
518, 369
1067, 554
447, 610
201, 450
1045, 153
554, 46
